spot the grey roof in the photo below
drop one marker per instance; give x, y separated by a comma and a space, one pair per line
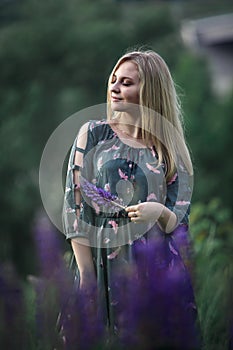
209, 30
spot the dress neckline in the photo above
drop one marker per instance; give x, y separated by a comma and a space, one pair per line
126, 139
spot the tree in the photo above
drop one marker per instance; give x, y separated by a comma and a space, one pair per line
56, 59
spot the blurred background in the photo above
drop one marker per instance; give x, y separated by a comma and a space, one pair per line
55, 58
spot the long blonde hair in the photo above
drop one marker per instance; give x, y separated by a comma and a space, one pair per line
161, 115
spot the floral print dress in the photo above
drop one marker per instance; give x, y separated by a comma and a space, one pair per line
130, 172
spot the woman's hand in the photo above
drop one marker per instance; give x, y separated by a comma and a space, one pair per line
153, 212
145, 212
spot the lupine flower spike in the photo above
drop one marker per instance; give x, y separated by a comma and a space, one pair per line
100, 196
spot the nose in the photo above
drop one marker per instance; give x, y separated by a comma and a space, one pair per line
114, 87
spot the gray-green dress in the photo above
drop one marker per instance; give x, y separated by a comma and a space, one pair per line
133, 176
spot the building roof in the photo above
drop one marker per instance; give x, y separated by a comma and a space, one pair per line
213, 37
208, 31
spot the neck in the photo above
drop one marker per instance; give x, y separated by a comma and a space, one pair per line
130, 125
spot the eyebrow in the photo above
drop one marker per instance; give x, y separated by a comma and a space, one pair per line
114, 75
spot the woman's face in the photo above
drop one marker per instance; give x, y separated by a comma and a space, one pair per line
124, 87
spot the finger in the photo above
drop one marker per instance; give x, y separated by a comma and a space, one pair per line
132, 214
131, 208
136, 220
133, 219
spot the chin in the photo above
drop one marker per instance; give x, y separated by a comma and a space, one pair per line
118, 107
130, 108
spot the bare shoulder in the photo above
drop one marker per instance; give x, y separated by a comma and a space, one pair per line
82, 135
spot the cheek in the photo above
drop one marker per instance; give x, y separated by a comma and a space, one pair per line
137, 96
134, 96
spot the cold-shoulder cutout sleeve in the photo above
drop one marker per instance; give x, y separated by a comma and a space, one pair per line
77, 222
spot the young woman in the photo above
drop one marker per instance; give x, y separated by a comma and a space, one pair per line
138, 161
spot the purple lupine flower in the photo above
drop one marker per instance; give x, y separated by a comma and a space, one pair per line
66, 318
52, 284
82, 325
48, 246
100, 196
13, 328
156, 308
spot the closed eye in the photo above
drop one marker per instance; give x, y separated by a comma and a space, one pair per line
125, 81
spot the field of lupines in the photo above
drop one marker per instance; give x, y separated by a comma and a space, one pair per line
47, 312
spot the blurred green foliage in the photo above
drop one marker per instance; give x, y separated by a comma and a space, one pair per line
55, 60
208, 124
211, 228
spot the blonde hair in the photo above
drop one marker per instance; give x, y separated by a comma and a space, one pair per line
161, 115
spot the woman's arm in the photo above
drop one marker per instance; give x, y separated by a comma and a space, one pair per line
80, 245
169, 214
167, 220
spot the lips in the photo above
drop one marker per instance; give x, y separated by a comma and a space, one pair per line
115, 99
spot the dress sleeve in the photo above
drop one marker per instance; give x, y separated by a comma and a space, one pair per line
179, 192
77, 215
